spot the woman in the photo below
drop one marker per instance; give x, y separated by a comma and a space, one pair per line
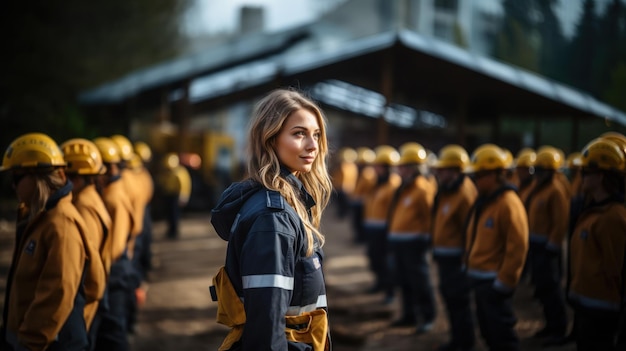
43, 308
597, 249
84, 165
271, 222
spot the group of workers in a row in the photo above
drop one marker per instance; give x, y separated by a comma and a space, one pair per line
485, 220
82, 243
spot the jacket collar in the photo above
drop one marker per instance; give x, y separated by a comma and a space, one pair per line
306, 198
59, 194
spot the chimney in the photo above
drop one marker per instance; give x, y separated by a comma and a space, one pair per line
251, 19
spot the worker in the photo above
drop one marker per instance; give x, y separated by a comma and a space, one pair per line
143, 247
496, 247
375, 222
175, 183
365, 183
50, 278
548, 207
84, 164
344, 177
112, 334
409, 238
597, 249
456, 194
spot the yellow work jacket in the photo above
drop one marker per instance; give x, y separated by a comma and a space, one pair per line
411, 212
97, 227
450, 216
377, 203
597, 249
134, 188
120, 209
345, 176
497, 239
49, 259
365, 183
548, 214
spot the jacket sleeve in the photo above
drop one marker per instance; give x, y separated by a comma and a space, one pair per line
516, 243
612, 242
560, 206
56, 288
267, 272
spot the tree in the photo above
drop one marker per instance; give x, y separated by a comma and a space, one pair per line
54, 49
582, 48
551, 50
516, 41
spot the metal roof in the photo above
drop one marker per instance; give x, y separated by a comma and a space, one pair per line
257, 61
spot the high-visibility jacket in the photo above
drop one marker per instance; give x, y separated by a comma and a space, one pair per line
266, 261
411, 210
497, 238
376, 210
97, 226
548, 214
451, 209
44, 300
597, 249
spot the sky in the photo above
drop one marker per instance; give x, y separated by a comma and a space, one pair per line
219, 16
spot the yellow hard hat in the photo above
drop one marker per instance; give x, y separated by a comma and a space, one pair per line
124, 145
617, 138
549, 157
82, 157
32, 150
604, 154
365, 155
487, 157
171, 160
143, 150
574, 160
108, 149
348, 154
135, 161
452, 156
526, 157
386, 155
412, 153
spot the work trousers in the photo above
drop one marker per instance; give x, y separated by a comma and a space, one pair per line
455, 291
412, 274
546, 277
494, 312
378, 256
596, 329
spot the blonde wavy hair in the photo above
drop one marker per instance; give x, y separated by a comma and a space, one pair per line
46, 183
267, 121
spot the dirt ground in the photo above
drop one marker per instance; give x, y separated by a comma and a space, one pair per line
179, 313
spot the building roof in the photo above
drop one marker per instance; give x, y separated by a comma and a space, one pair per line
424, 69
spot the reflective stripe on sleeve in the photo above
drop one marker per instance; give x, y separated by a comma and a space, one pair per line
297, 310
267, 281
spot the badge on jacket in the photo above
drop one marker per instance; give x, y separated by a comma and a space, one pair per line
489, 223
30, 247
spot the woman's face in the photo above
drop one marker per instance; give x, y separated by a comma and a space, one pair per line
297, 142
24, 185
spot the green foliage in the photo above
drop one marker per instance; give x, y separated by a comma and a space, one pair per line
54, 49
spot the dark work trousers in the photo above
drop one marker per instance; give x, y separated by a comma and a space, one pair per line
378, 256
112, 334
455, 291
546, 277
356, 211
173, 215
494, 312
596, 329
412, 274
142, 258
343, 204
